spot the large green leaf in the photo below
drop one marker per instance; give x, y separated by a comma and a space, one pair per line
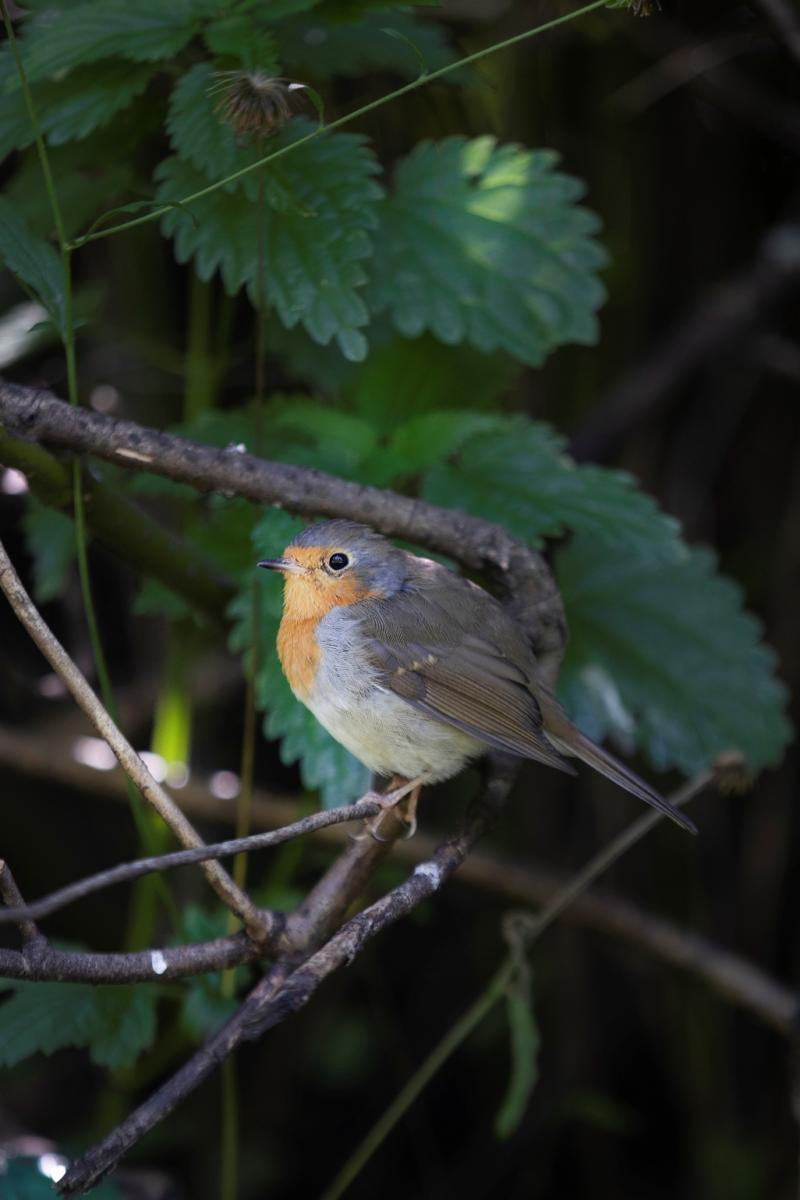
485, 244
514, 471
116, 1023
33, 261
320, 207
50, 537
146, 31
664, 653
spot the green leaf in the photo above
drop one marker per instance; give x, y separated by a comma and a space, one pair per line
515, 472
204, 1007
50, 537
236, 36
33, 261
199, 135
319, 211
146, 31
378, 41
402, 378
116, 1023
485, 244
524, 1034
324, 764
668, 646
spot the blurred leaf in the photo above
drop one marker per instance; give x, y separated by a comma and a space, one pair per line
515, 471
485, 244
402, 378
22, 1179
148, 30
115, 1023
50, 538
33, 261
524, 1035
317, 48
204, 1008
320, 207
72, 108
237, 36
687, 661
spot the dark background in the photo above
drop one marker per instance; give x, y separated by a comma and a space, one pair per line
686, 128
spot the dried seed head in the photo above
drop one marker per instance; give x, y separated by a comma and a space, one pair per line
254, 103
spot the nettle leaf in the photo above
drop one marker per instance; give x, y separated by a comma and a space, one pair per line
115, 1023
33, 261
666, 647
324, 764
89, 98
486, 244
236, 36
378, 41
320, 206
58, 40
199, 135
50, 538
514, 471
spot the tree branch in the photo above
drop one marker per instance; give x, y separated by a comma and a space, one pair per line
11, 896
519, 572
123, 528
10, 583
293, 980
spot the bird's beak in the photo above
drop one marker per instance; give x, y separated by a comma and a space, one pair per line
280, 564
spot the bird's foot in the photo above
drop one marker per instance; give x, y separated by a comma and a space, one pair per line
406, 793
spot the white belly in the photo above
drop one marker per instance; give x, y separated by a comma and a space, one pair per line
382, 730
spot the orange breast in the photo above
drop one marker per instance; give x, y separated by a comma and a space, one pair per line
299, 652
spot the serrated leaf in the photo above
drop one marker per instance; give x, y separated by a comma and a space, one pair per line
319, 210
116, 1023
686, 660
237, 36
486, 244
199, 135
50, 538
516, 472
378, 41
58, 40
403, 378
71, 108
33, 261
524, 1037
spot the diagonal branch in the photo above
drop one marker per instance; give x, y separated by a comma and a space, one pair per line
129, 760
289, 984
520, 573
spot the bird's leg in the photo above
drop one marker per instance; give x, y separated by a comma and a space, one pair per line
399, 788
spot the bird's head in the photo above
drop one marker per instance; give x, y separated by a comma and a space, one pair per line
336, 563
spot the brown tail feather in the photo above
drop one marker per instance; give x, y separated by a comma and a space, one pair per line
570, 740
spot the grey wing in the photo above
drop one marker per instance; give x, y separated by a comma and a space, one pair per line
466, 679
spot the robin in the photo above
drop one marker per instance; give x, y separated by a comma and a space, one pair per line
416, 670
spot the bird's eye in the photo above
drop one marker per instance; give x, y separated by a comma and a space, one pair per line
338, 562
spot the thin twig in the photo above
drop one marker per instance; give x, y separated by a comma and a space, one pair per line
127, 757
125, 872
13, 899
288, 986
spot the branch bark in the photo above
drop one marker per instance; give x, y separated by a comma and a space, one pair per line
519, 572
231, 895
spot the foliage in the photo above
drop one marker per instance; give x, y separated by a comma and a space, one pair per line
22, 1179
115, 1022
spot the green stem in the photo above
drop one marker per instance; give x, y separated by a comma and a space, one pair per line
228, 1173
534, 927
455, 1036
422, 81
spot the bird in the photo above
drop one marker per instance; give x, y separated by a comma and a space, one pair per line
417, 670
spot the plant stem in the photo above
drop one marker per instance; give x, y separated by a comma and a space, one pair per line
530, 928
421, 81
